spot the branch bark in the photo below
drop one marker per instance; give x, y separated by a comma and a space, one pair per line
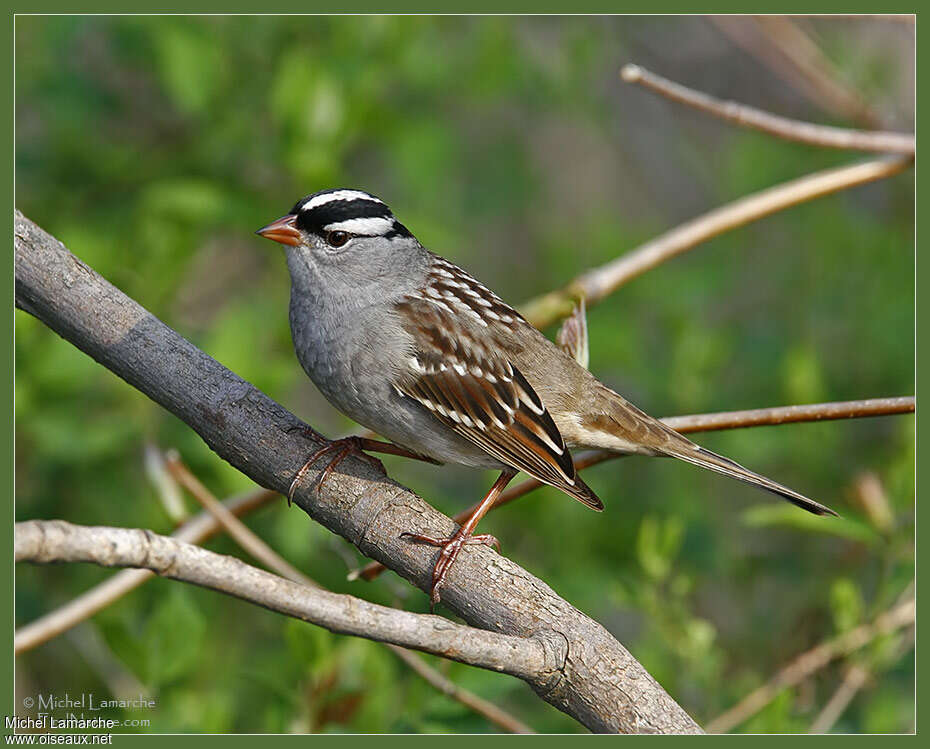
855, 678
251, 543
781, 127
596, 680
223, 515
902, 615
194, 531
598, 283
792, 55
47, 541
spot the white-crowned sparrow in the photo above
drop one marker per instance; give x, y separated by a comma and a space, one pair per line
414, 348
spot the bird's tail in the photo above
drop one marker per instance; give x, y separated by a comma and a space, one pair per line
707, 459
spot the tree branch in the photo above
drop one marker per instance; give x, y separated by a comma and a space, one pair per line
597, 283
756, 417
248, 540
47, 541
194, 531
599, 682
705, 423
793, 56
781, 127
235, 528
902, 615
854, 679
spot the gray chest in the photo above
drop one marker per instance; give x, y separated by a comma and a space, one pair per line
346, 353
353, 356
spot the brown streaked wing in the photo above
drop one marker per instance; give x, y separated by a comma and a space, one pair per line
481, 396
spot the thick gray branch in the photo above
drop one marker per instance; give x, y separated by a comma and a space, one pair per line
46, 541
599, 682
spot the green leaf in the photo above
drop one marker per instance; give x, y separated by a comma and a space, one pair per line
174, 637
658, 543
192, 68
789, 516
310, 645
846, 604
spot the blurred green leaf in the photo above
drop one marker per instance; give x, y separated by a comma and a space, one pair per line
658, 543
174, 637
192, 66
846, 602
309, 645
788, 516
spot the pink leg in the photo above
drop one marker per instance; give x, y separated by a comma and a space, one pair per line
348, 446
452, 546
343, 448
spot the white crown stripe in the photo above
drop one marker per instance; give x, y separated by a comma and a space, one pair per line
369, 226
329, 197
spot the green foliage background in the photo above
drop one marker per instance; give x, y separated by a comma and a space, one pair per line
154, 147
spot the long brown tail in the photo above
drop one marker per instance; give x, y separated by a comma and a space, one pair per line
707, 459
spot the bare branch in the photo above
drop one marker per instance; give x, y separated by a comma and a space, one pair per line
251, 543
792, 414
195, 531
167, 488
870, 495
781, 127
47, 541
788, 51
817, 70
598, 681
597, 283
238, 531
854, 679
483, 707
706, 423
902, 615
858, 676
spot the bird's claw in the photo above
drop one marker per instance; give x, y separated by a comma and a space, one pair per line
345, 447
450, 551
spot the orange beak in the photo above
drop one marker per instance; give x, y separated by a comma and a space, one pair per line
283, 230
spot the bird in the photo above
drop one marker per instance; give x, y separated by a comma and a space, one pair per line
411, 346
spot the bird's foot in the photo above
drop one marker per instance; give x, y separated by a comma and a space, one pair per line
450, 551
343, 448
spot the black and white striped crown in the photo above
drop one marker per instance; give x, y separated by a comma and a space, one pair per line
352, 211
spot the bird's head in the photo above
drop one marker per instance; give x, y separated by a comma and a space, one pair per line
335, 222
341, 242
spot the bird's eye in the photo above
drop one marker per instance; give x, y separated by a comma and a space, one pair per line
336, 238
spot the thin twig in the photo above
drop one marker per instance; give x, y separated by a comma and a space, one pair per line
795, 58
597, 283
706, 423
237, 530
167, 488
255, 546
47, 541
870, 494
811, 661
781, 127
196, 530
816, 69
854, 679
487, 709
792, 414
